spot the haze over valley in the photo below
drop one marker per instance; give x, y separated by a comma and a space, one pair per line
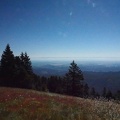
97, 74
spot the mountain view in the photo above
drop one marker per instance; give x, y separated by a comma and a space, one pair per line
60, 59
98, 74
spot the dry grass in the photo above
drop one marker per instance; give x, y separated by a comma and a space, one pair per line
21, 104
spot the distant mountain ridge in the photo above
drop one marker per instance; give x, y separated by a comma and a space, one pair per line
96, 75
95, 66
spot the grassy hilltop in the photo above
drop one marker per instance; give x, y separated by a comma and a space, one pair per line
22, 104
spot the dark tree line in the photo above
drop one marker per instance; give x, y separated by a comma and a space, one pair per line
16, 71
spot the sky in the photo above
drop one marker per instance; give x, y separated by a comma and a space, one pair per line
61, 29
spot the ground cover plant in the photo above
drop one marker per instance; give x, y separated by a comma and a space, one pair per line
22, 104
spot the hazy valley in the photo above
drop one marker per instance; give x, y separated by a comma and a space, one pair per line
96, 74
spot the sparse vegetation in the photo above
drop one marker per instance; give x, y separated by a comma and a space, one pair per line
21, 104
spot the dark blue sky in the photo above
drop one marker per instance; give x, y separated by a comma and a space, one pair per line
61, 28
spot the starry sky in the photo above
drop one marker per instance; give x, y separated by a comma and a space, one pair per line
61, 29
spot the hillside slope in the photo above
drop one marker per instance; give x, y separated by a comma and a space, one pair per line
21, 104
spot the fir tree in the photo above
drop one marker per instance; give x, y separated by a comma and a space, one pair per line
74, 76
7, 62
25, 70
28, 66
15, 71
7, 67
26, 63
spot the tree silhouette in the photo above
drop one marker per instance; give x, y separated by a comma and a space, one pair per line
7, 62
24, 70
74, 76
7, 65
15, 71
26, 63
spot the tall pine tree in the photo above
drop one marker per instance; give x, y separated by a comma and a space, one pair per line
7, 67
26, 63
74, 77
7, 62
26, 72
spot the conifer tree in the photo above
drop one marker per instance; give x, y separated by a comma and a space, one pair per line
7, 62
17, 62
26, 63
18, 68
74, 76
25, 71
7, 67
15, 71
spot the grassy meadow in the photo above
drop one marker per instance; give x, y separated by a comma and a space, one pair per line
22, 104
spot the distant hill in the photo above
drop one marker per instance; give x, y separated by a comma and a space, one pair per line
23, 104
110, 80
94, 66
95, 75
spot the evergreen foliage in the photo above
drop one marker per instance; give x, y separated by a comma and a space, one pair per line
7, 63
25, 62
56, 84
7, 67
15, 71
74, 77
